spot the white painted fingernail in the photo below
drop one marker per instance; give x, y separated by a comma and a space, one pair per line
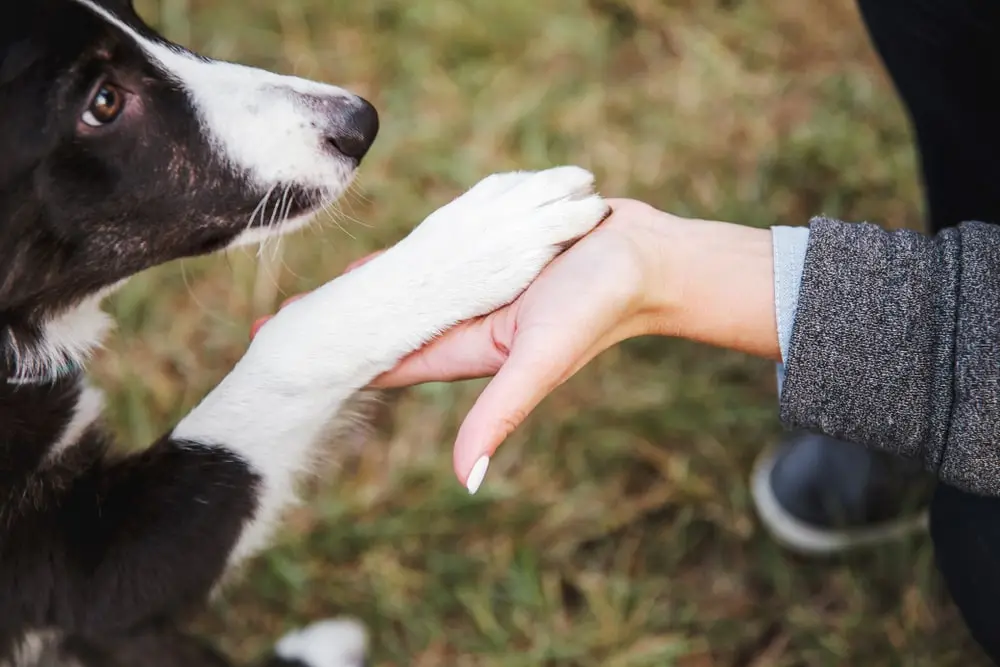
477, 475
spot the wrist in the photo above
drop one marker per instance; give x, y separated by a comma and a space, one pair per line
711, 282
726, 288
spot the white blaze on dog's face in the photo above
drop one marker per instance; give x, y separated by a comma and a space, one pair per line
278, 131
124, 151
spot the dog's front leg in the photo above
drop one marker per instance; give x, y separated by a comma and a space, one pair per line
467, 259
102, 544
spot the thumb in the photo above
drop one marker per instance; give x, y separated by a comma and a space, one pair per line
527, 377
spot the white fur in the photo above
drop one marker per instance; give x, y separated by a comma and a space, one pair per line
68, 338
264, 125
37, 649
467, 259
30, 650
332, 643
86, 412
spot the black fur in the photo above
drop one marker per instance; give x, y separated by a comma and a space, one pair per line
98, 544
82, 208
105, 548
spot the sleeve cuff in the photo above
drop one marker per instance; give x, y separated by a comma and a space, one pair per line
789, 247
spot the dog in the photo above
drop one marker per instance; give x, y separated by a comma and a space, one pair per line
122, 151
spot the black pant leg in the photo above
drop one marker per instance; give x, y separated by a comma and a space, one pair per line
944, 59
966, 533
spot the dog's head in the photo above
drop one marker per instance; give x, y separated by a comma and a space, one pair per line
120, 150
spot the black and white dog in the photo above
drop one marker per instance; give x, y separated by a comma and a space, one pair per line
119, 151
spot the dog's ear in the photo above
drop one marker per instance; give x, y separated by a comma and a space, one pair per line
16, 57
18, 50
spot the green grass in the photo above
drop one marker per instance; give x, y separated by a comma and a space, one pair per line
615, 528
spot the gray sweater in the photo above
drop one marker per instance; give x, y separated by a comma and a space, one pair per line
896, 345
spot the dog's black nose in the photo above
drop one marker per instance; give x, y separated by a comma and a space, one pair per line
353, 132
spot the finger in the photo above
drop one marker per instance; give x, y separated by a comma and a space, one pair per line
529, 375
361, 262
470, 350
257, 324
523, 382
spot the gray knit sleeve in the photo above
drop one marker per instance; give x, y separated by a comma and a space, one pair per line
896, 345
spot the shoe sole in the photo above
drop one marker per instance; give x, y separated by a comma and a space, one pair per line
808, 539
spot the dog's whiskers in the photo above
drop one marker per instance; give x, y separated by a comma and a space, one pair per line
331, 212
275, 220
355, 189
287, 210
259, 209
267, 286
197, 302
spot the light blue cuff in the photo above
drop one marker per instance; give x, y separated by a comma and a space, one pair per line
789, 247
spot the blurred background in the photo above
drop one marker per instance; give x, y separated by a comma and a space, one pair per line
615, 527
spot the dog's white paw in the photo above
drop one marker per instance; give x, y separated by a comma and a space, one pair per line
331, 643
485, 247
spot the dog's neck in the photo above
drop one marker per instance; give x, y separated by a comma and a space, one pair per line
54, 345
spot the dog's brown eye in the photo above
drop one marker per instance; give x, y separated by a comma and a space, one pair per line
107, 105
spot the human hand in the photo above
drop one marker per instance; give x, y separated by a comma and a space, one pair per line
591, 297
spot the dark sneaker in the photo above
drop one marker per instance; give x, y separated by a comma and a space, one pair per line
817, 495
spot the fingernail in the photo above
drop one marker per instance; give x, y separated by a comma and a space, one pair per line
477, 475
255, 327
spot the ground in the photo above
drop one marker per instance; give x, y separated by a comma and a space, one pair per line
615, 527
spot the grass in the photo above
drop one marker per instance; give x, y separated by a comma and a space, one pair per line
615, 528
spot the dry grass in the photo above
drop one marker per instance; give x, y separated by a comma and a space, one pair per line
615, 528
